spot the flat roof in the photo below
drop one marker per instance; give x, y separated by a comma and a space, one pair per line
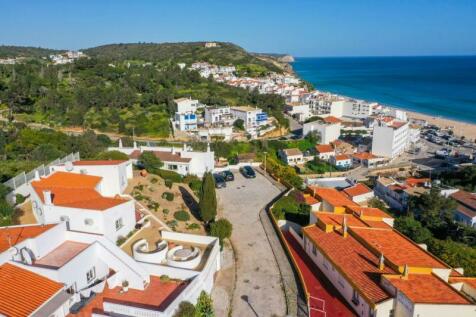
62, 254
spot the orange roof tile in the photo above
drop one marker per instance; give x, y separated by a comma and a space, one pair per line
98, 162
332, 196
471, 281
337, 220
324, 148
22, 292
413, 182
358, 264
368, 211
342, 157
10, 236
331, 119
357, 190
428, 289
75, 191
364, 156
398, 249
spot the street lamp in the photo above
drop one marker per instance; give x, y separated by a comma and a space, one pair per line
265, 160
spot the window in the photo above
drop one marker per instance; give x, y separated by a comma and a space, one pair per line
91, 275
71, 289
314, 251
173, 167
88, 222
119, 224
325, 262
355, 297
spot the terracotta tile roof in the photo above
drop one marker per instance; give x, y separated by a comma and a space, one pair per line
364, 156
471, 281
398, 249
332, 196
466, 198
157, 296
98, 162
324, 148
75, 191
428, 289
163, 156
413, 182
62, 254
471, 213
359, 265
368, 211
398, 124
292, 152
357, 190
309, 200
342, 157
10, 236
331, 119
337, 220
22, 292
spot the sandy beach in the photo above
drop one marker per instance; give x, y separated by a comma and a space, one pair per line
459, 128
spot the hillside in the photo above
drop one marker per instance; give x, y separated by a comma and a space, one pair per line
222, 54
117, 91
7, 51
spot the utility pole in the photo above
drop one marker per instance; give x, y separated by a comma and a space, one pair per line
265, 161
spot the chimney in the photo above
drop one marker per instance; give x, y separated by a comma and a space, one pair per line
344, 227
120, 143
37, 175
135, 144
406, 271
381, 262
208, 147
47, 197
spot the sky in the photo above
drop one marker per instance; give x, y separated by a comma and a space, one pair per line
297, 27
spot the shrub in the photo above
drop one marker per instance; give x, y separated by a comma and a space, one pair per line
164, 278
172, 224
150, 162
153, 205
173, 176
185, 309
193, 226
194, 183
154, 180
168, 196
204, 307
19, 198
182, 215
222, 229
165, 211
169, 183
112, 155
120, 240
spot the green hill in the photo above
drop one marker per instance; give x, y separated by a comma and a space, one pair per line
9, 51
222, 54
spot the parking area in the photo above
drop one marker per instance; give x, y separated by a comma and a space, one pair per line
258, 290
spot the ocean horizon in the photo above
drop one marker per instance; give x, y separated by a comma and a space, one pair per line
440, 86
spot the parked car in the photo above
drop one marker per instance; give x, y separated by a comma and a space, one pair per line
219, 181
248, 172
228, 176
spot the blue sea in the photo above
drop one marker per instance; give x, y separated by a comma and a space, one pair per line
437, 86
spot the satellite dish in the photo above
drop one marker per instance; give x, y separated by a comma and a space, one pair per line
69, 166
27, 256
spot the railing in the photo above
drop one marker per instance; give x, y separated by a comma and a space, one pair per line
24, 178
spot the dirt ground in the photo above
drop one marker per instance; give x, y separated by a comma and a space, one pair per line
24, 214
148, 191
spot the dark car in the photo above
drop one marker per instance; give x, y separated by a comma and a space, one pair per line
219, 181
247, 172
228, 176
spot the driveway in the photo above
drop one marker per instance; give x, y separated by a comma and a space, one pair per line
258, 290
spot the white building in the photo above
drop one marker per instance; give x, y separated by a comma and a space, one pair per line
185, 118
115, 173
328, 131
218, 116
325, 151
351, 108
341, 161
291, 157
187, 105
252, 117
390, 140
181, 160
300, 111
79, 200
52, 271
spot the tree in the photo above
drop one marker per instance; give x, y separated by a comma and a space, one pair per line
186, 309
208, 200
6, 213
221, 229
46, 153
239, 124
150, 162
112, 155
377, 203
204, 307
412, 228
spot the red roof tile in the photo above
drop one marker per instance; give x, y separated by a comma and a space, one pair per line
413, 182
22, 291
466, 198
471, 281
342, 157
10, 236
427, 289
368, 211
357, 190
75, 191
364, 156
359, 265
62, 254
332, 196
324, 148
331, 119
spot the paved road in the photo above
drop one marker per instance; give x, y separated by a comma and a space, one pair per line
258, 277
